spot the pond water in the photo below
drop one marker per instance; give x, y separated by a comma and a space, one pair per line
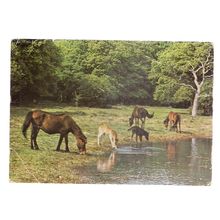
185, 162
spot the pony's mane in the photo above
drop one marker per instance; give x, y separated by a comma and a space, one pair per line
54, 113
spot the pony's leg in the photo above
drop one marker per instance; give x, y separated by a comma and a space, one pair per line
170, 125
32, 137
98, 141
35, 139
66, 142
34, 133
175, 128
59, 142
99, 138
140, 138
132, 136
112, 140
179, 126
32, 145
143, 123
136, 138
136, 121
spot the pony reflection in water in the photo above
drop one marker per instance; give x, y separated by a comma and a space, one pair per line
53, 124
107, 164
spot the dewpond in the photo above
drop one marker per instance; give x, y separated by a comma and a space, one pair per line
185, 162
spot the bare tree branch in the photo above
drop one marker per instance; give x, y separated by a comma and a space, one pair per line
198, 85
208, 76
193, 68
187, 85
205, 66
207, 59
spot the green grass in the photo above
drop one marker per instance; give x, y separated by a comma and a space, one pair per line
49, 166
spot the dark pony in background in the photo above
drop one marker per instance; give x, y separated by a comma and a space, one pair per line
54, 124
138, 132
139, 113
173, 119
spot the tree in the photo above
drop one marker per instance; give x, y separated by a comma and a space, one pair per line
33, 63
82, 78
130, 64
205, 104
123, 65
180, 66
97, 91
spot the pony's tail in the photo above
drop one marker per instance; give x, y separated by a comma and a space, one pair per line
149, 115
130, 128
26, 123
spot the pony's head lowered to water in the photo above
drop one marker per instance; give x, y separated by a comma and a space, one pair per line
81, 142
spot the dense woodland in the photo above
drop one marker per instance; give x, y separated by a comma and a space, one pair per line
103, 73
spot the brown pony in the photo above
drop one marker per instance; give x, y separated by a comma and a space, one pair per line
53, 124
173, 119
139, 113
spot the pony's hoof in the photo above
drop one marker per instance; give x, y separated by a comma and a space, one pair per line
82, 153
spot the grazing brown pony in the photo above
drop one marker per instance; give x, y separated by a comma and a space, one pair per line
53, 124
139, 113
173, 119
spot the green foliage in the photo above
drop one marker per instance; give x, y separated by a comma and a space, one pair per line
171, 72
183, 94
97, 91
33, 63
129, 68
167, 86
101, 73
206, 98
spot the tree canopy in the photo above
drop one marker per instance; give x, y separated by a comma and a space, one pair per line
180, 72
101, 73
114, 71
33, 65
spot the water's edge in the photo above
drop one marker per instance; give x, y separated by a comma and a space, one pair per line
185, 162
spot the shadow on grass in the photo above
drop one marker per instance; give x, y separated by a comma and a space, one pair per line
77, 153
153, 129
67, 152
186, 132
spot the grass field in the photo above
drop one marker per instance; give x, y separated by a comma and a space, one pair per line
49, 166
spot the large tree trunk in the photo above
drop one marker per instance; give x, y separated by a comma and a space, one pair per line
195, 103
